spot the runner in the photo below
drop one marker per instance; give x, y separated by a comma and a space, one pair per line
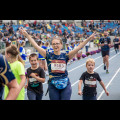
35, 78
17, 68
22, 51
59, 85
89, 78
7, 78
105, 43
116, 44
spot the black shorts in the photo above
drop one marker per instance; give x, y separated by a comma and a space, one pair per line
104, 53
116, 46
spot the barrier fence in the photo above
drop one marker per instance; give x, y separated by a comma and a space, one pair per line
2, 46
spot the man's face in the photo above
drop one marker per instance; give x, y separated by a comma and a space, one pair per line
105, 34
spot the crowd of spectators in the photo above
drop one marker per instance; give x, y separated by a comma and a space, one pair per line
113, 27
66, 31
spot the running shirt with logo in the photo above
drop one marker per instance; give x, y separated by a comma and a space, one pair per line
90, 83
57, 65
33, 84
6, 74
116, 41
17, 69
105, 41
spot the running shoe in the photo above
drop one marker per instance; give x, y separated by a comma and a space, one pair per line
107, 71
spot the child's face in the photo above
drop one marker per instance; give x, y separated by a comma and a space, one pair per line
33, 62
90, 66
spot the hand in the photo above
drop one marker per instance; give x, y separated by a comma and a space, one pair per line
80, 93
109, 45
33, 75
93, 36
25, 86
23, 32
107, 93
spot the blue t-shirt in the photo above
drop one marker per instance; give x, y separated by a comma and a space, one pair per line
6, 74
57, 65
116, 40
105, 41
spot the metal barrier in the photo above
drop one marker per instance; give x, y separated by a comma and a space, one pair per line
2, 46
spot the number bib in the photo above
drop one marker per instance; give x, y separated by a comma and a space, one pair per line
116, 43
58, 66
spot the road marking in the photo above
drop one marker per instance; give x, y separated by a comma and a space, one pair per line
108, 84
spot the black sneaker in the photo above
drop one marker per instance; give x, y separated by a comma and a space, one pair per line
104, 67
107, 71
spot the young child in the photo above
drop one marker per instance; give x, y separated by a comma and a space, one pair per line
35, 78
17, 67
89, 78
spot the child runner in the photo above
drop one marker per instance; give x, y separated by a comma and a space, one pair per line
35, 78
17, 68
89, 78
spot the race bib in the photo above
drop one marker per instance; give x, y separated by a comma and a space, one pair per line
58, 66
116, 42
105, 43
90, 82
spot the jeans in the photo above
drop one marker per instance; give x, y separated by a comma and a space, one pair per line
89, 97
34, 96
63, 94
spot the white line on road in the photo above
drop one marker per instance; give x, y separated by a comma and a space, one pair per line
108, 84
